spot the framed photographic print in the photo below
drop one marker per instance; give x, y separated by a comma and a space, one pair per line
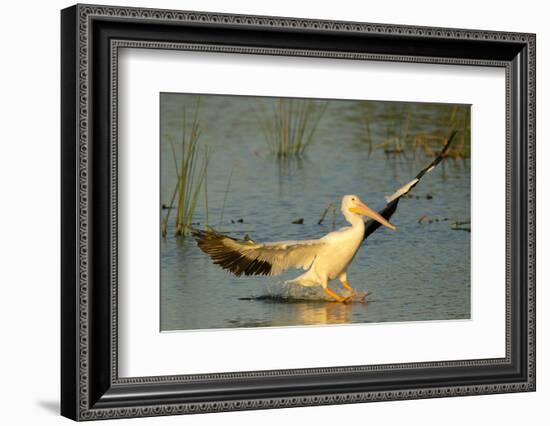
263, 212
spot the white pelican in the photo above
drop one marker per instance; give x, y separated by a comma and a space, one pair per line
325, 259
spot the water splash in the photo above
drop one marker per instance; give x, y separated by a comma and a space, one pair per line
289, 292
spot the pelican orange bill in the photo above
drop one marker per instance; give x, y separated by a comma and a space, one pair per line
363, 209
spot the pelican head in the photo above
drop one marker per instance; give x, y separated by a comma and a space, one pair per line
353, 206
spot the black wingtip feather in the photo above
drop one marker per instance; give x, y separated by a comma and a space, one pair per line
210, 242
390, 208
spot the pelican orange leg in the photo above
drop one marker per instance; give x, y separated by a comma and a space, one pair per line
335, 296
346, 285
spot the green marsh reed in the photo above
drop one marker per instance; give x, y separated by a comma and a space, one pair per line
192, 172
289, 128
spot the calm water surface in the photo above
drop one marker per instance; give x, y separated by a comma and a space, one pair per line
421, 272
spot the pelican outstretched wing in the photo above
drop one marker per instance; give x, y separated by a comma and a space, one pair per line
393, 200
251, 258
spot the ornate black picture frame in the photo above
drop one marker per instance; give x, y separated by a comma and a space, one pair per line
91, 36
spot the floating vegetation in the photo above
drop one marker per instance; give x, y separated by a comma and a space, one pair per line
289, 128
191, 171
418, 197
425, 218
462, 226
457, 225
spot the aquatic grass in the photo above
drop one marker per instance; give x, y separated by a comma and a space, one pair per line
191, 173
225, 196
407, 130
206, 191
361, 124
367, 134
397, 130
289, 128
164, 223
458, 121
